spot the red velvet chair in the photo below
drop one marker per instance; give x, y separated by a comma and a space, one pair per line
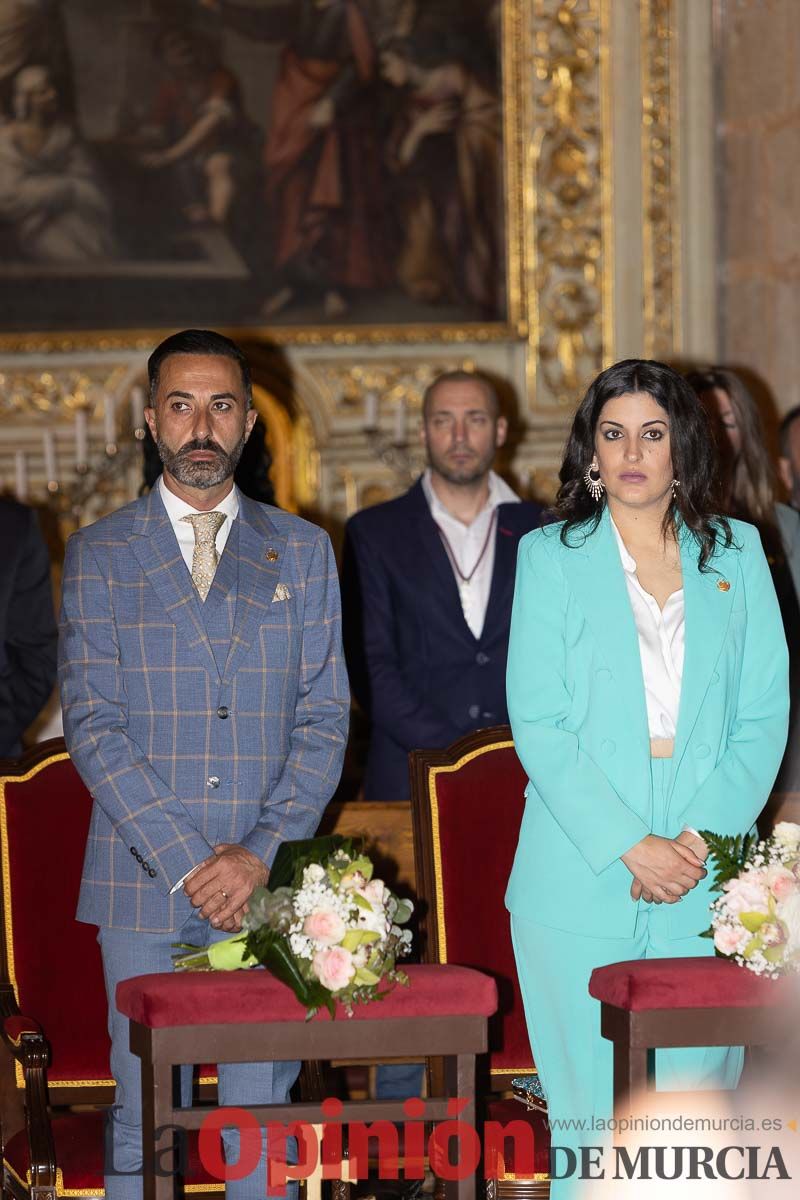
657, 1003
467, 803
52, 995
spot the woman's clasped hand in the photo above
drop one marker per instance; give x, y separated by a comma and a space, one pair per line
664, 869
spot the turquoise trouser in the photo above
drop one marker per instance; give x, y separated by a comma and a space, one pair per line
575, 1062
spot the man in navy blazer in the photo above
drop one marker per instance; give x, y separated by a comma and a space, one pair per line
205, 706
427, 585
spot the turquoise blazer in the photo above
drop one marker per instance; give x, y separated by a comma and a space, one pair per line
577, 707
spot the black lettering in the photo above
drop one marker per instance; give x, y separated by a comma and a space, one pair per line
701, 1156
722, 1162
571, 1162
633, 1169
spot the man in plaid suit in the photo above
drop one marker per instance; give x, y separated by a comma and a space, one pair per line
205, 705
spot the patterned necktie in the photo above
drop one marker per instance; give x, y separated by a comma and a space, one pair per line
205, 558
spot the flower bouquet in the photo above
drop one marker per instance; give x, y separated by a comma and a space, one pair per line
756, 919
323, 926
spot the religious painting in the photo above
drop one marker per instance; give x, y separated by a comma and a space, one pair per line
320, 168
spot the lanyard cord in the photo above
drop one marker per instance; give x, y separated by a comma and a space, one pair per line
453, 560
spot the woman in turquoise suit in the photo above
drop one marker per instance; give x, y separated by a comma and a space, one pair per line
648, 695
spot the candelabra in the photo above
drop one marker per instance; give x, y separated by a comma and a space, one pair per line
393, 450
70, 490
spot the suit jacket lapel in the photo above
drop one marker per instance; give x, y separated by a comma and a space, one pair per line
262, 552
707, 614
153, 542
594, 569
506, 545
435, 558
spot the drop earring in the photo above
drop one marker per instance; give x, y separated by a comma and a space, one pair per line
675, 486
594, 484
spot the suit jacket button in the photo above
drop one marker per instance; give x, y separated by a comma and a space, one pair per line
481, 659
133, 851
222, 712
138, 857
474, 711
151, 873
145, 865
487, 716
213, 781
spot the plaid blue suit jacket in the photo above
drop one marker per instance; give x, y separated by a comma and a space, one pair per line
178, 753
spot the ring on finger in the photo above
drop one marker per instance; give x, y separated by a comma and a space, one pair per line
223, 893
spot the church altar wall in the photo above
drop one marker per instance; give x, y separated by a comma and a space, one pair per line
612, 171
757, 50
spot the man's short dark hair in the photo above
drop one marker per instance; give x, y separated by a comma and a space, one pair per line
197, 341
461, 376
787, 420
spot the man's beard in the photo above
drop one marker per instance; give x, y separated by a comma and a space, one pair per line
200, 474
464, 475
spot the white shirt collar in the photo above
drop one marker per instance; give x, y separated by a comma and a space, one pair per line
499, 493
177, 508
628, 561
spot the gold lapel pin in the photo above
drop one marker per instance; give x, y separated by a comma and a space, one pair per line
272, 555
723, 585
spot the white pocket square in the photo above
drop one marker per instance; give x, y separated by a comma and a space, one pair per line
281, 593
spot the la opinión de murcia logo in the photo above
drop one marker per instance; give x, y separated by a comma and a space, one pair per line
453, 1149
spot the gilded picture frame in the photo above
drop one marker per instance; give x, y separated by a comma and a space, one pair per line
85, 284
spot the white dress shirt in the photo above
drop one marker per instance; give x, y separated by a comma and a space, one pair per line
661, 647
466, 543
183, 530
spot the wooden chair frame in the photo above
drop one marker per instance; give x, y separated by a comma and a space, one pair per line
637, 1035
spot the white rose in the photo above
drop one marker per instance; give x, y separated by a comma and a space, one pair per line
787, 835
313, 873
375, 891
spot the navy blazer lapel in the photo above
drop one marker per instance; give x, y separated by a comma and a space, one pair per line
435, 556
707, 614
593, 568
506, 545
153, 542
262, 551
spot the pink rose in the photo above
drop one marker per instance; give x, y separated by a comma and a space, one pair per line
727, 939
325, 926
782, 882
334, 968
746, 894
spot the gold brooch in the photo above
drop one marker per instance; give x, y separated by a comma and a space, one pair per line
272, 555
723, 585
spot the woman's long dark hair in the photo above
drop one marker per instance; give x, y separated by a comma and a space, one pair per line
747, 480
693, 455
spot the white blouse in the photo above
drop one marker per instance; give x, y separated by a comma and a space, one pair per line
661, 647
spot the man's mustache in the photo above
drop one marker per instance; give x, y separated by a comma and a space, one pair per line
197, 444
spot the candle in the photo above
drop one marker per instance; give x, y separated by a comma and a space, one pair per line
81, 439
137, 408
371, 410
21, 473
400, 424
50, 465
109, 420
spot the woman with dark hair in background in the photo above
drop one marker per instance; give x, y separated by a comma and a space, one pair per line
748, 491
632, 746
